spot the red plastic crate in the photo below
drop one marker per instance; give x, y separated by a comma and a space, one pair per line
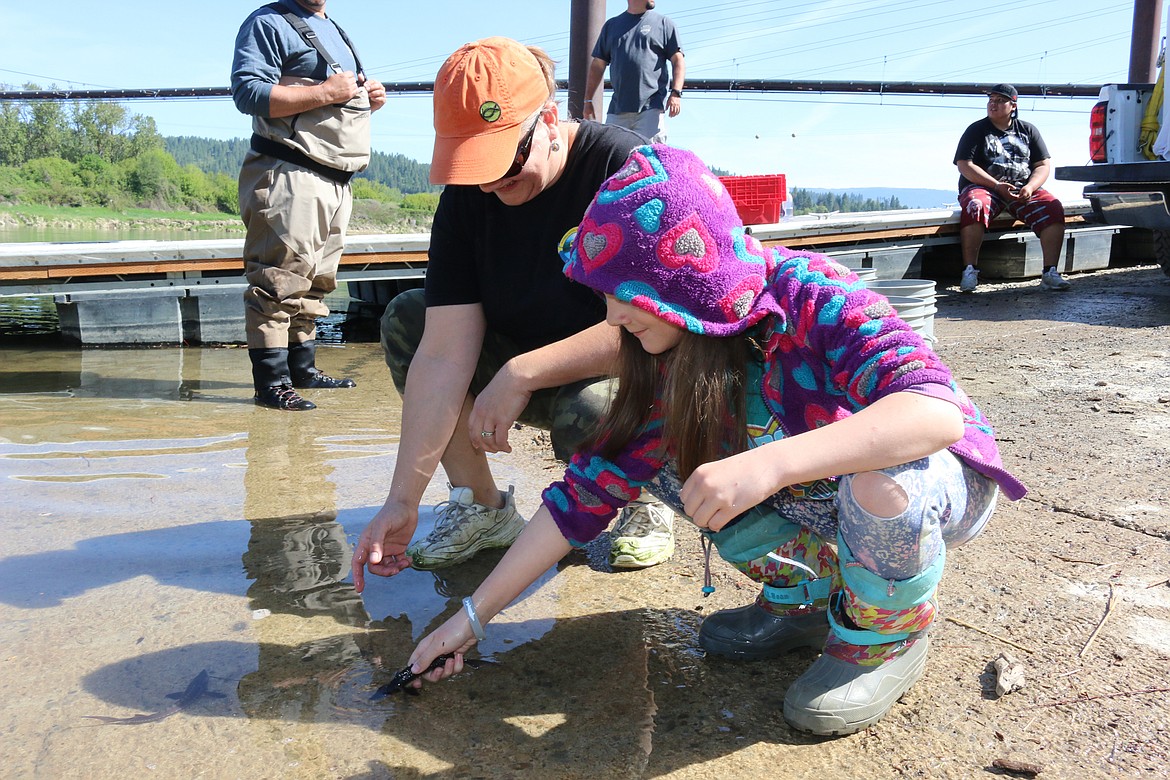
758, 199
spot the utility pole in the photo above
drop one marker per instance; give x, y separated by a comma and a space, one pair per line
1144, 40
584, 27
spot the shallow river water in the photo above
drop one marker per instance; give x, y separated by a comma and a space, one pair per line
157, 524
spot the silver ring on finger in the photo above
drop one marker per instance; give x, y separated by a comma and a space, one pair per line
487, 434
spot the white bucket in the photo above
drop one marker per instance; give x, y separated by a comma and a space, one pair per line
921, 290
865, 274
916, 313
909, 288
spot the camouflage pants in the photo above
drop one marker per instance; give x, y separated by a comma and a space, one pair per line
569, 413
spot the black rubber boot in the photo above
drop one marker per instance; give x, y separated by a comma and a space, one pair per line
753, 633
302, 360
271, 380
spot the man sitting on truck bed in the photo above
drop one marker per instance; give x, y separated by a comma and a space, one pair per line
1002, 164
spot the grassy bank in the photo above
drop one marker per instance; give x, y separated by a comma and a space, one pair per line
98, 218
369, 216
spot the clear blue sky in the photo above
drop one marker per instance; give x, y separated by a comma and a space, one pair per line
831, 141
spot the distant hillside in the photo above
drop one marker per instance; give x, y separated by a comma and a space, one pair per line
215, 156
909, 198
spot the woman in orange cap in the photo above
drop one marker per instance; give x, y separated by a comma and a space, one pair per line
499, 334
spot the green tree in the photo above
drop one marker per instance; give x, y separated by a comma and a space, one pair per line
102, 182
13, 186
156, 178
421, 201
101, 128
12, 135
144, 136
227, 193
47, 130
54, 181
364, 189
198, 190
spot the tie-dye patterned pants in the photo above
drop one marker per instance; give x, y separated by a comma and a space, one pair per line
877, 587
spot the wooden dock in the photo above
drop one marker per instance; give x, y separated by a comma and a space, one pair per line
188, 291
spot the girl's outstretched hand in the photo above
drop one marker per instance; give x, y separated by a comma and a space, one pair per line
455, 637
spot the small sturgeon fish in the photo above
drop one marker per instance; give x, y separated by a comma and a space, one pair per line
196, 690
405, 677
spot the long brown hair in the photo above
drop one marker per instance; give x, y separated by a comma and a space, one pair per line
701, 382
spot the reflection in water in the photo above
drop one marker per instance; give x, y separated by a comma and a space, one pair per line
170, 374
27, 317
295, 563
298, 560
297, 557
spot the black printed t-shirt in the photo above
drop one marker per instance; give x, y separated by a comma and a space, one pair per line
506, 258
1007, 155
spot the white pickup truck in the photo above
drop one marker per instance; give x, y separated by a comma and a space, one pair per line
1124, 186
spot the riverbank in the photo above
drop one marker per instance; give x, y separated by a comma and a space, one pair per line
368, 217
90, 218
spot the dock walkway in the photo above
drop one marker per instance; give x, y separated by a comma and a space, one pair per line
188, 291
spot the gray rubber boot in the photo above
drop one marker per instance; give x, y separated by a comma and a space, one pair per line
752, 633
836, 697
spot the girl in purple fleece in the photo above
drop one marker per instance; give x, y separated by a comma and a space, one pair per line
816, 441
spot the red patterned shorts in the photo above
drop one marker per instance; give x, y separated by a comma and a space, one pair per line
979, 205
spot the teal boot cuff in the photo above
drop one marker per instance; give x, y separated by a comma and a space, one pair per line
899, 595
889, 594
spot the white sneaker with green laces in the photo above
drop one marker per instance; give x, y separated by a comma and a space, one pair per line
643, 535
463, 528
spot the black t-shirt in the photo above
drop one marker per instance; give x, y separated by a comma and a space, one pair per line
506, 257
1008, 155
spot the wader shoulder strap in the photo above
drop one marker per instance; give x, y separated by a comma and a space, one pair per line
353, 49
305, 31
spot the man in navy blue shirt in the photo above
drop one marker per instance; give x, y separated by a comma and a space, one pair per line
636, 45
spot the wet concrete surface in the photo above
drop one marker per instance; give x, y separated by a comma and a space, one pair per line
157, 524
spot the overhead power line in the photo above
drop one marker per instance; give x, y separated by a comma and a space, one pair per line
701, 85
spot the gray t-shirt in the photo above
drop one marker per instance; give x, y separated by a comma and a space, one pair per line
637, 49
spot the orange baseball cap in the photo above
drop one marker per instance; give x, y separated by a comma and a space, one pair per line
483, 94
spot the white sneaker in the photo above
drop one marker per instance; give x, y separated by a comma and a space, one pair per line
1052, 280
643, 535
970, 279
463, 528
